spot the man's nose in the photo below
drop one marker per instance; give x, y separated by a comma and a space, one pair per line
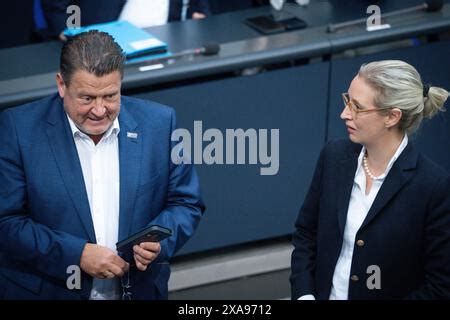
99, 109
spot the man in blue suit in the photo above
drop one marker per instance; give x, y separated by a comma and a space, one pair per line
83, 169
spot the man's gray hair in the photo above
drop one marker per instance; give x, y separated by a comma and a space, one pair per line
93, 51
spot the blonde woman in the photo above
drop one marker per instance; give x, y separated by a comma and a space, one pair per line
375, 223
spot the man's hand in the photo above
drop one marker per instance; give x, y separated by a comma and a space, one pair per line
198, 16
101, 262
62, 37
145, 253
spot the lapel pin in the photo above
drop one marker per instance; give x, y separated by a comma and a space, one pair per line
132, 135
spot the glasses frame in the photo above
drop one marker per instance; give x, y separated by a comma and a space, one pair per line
356, 108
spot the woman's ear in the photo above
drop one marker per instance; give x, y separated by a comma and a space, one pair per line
393, 117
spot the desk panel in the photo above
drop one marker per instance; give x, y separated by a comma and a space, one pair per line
242, 205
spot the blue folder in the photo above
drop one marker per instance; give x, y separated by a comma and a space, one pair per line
134, 41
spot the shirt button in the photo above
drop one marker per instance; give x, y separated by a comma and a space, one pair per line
360, 243
354, 278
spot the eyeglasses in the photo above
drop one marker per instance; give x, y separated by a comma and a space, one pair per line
356, 108
125, 282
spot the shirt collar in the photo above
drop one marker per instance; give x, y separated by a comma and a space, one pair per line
76, 132
397, 153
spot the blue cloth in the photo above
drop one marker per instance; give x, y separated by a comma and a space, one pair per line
406, 232
39, 18
45, 219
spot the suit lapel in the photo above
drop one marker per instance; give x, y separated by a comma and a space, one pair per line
346, 173
64, 150
130, 155
400, 173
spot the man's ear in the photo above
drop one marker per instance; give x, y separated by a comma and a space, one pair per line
393, 117
61, 85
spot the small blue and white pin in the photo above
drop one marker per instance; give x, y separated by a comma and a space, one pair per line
132, 135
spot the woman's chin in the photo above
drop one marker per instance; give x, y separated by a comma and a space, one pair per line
353, 138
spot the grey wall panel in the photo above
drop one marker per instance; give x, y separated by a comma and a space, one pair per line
242, 205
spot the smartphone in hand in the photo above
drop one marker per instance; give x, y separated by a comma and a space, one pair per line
153, 233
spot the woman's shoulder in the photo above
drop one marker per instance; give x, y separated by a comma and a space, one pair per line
341, 148
431, 169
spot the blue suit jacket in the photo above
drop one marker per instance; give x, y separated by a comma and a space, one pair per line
406, 232
45, 219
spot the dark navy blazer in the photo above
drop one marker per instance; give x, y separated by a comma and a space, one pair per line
406, 232
45, 219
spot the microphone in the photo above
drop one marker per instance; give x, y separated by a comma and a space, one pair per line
428, 6
206, 50
159, 63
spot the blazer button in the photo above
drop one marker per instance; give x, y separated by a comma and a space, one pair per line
360, 243
354, 278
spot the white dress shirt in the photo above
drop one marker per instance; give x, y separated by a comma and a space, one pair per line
358, 208
278, 4
145, 13
100, 166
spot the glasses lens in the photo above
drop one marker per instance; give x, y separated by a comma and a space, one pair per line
349, 103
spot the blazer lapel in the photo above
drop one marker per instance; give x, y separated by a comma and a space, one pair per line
346, 172
400, 173
130, 155
64, 150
